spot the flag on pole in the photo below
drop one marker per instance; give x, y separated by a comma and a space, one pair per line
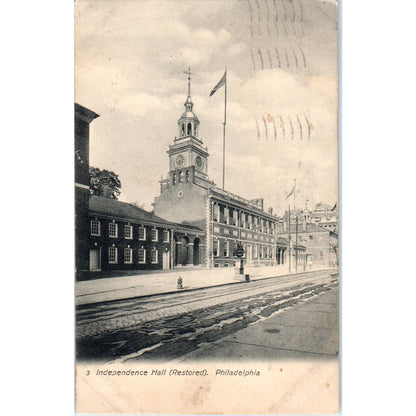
220, 84
291, 192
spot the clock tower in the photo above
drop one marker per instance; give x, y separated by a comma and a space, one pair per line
187, 155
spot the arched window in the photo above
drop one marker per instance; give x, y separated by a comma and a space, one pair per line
187, 176
173, 179
183, 129
195, 130
189, 128
180, 176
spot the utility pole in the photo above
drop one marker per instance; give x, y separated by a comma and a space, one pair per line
290, 244
296, 228
296, 245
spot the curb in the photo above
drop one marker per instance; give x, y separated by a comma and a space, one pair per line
80, 306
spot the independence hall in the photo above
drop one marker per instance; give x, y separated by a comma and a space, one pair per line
194, 223
188, 196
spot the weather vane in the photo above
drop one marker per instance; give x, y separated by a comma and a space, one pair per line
189, 73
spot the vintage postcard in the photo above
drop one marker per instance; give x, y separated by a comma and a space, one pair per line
206, 190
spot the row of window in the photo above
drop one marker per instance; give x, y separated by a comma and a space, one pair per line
128, 231
248, 221
256, 250
128, 255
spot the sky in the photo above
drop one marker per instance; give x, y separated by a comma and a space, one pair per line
281, 61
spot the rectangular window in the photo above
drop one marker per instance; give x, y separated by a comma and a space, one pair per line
113, 230
154, 234
128, 258
165, 236
142, 256
215, 248
226, 249
154, 255
112, 255
216, 214
235, 217
142, 233
226, 231
128, 232
226, 215
95, 228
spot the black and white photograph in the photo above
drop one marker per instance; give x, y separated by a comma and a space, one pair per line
207, 214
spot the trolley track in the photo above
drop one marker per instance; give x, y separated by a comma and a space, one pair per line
115, 315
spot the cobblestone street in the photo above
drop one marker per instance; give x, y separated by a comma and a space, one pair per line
170, 326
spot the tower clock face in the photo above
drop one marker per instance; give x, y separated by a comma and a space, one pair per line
198, 161
179, 161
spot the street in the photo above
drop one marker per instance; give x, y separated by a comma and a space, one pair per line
166, 327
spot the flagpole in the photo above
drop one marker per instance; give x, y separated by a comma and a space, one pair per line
223, 136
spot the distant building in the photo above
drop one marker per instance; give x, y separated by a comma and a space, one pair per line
325, 216
321, 243
83, 118
188, 195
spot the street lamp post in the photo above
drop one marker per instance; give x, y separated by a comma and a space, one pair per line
240, 254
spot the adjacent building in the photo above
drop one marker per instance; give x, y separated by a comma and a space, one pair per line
83, 118
126, 237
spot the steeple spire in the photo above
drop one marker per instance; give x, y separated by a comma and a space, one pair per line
188, 123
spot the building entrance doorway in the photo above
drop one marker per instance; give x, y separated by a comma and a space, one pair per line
166, 260
196, 252
95, 263
182, 251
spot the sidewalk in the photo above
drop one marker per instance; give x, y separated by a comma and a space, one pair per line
114, 288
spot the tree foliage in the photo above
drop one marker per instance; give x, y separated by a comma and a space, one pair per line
104, 183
